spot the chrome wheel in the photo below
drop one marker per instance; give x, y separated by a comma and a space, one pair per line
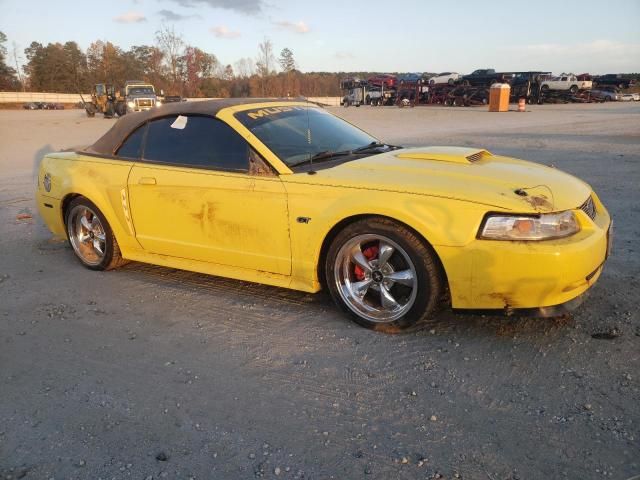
86, 234
375, 277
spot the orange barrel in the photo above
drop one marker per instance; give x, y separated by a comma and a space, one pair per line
499, 97
521, 105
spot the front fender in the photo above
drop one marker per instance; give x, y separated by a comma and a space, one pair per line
315, 210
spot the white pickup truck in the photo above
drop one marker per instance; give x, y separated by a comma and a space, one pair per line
566, 82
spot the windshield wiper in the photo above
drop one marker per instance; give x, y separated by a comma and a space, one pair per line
328, 154
324, 155
373, 146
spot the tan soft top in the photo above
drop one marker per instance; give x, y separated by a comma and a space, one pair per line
111, 141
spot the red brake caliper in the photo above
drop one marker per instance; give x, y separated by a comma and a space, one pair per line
370, 253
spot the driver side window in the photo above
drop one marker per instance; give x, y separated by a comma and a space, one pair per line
196, 141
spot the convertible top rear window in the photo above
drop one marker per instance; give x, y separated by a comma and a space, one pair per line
132, 146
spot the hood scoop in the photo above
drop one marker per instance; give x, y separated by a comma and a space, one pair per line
446, 154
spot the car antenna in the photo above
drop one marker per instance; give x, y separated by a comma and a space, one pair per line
311, 170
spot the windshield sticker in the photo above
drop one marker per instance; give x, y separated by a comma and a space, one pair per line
180, 123
267, 112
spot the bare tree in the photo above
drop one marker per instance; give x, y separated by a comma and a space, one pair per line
244, 68
265, 61
172, 46
15, 59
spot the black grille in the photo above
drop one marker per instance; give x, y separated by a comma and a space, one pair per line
589, 208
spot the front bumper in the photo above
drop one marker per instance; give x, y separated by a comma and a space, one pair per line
512, 275
138, 109
551, 311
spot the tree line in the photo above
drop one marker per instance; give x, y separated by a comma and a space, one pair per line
169, 64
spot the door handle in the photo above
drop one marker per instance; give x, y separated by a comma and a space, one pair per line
147, 181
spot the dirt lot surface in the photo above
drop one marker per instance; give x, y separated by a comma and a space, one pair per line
150, 373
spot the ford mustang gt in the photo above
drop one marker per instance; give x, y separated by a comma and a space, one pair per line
286, 194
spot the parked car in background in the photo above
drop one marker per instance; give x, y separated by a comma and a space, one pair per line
409, 78
485, 77
629, 97
566, 82
462, 96
173, 99
53, 106
605, 95
384, 80
614, 79
30, 106
445, 77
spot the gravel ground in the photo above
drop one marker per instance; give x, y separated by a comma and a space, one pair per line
150, 373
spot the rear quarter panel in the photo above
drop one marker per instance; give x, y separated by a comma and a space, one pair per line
101, 180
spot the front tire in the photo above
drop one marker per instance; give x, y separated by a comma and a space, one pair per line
385, 276
121, 109
109, 110
90, 109
91, 236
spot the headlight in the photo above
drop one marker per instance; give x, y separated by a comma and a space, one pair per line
158, 103
131, 104
524, 227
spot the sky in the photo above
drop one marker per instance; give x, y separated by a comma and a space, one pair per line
592, 36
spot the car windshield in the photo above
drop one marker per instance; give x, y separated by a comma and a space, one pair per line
140, 90
296, 133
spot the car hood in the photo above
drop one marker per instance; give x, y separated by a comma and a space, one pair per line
466, 174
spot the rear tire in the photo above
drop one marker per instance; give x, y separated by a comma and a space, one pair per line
91, 237
383, 275
109, 110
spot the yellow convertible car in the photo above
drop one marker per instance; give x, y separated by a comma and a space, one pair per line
286, 194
